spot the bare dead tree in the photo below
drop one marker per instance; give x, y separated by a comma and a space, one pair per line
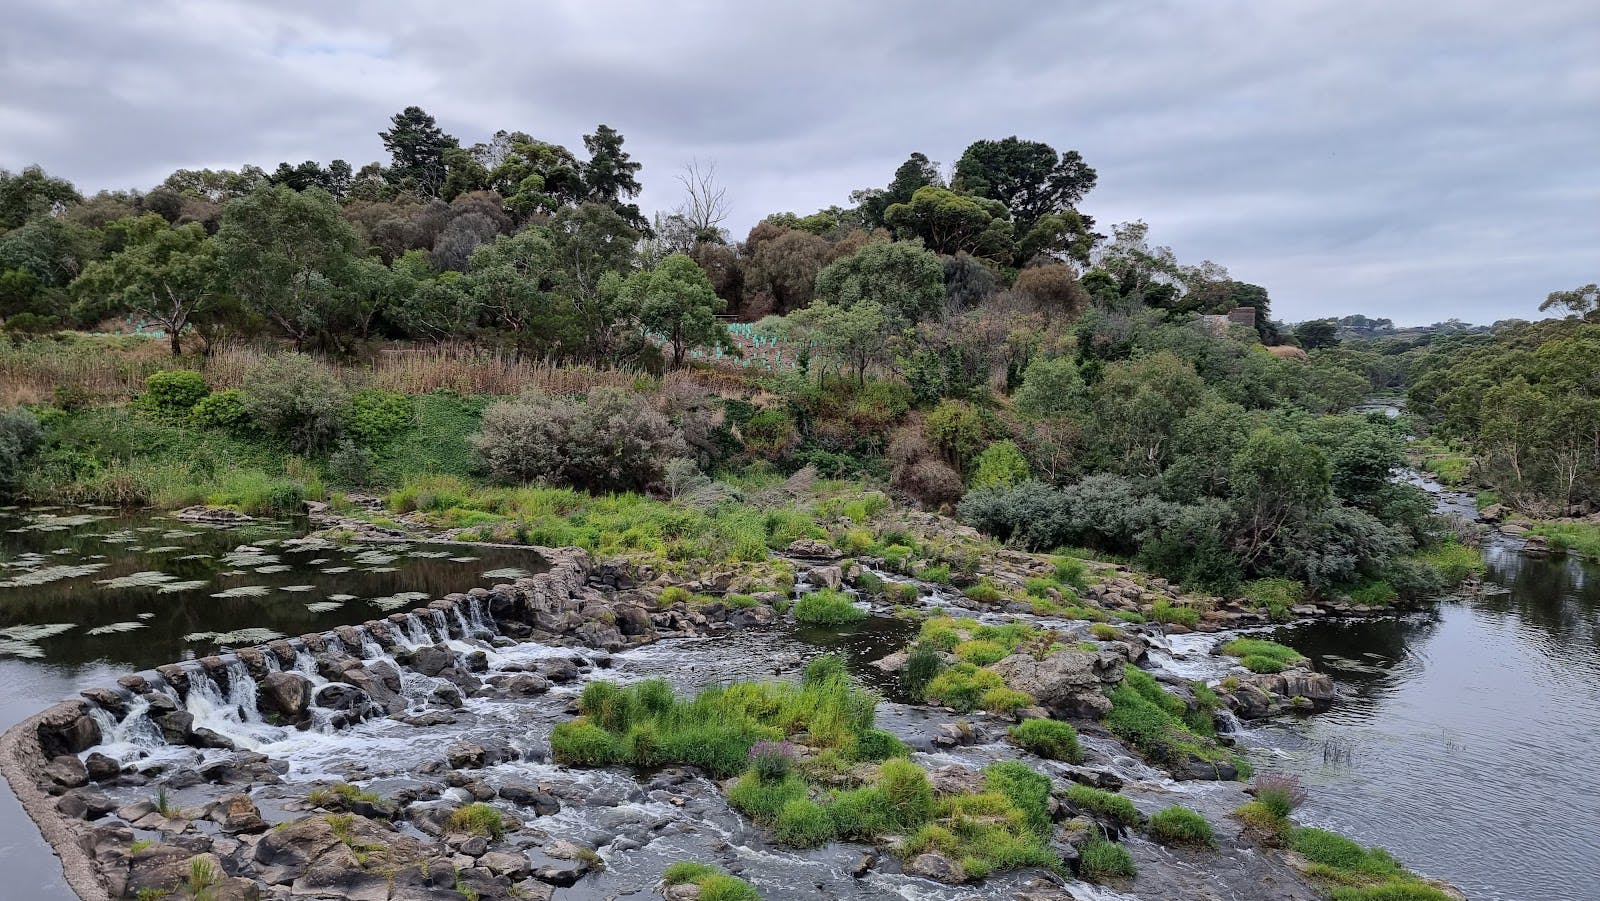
705, 203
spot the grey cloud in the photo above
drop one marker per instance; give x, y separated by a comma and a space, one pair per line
1418, 161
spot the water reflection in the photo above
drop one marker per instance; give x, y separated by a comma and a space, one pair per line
1464, 746
136, 590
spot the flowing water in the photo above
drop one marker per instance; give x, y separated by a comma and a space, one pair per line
88, 594
1463, 745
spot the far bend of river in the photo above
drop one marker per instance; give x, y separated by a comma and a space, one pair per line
88, 594
1468, 745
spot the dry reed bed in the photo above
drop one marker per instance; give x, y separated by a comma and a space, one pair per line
89, 370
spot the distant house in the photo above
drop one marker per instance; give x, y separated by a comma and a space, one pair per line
1219, 324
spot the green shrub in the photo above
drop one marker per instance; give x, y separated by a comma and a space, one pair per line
1275, 596
478, 819
1005, 700
1105, 632
1160, 725
1261, 656
714, 884
1263, 822
877, 744
376, 416
1072, 572
20, 438
1001, 463
612, 441
173, 393
1100, 860
859, 814
826, 607
291, 398
803, 823
1182, 826
904, 592
1454, 562
907, 794
1105, 804
1051, 739
870, 584
351, 464
1392, 890
985, 593
580, 743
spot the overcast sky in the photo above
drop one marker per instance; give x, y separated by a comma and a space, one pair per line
1413, 160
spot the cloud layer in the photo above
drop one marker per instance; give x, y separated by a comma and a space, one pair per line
1413, 160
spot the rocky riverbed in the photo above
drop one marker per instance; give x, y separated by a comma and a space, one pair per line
334, 765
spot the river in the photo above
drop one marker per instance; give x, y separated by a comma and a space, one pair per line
1462, 745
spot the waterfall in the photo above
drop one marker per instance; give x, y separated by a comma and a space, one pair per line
306, 665
477, 615
127, 738
461, 623
442, 624
416, 633
370, 649
232, 715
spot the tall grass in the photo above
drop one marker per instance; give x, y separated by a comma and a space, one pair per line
106, 368
1579, 538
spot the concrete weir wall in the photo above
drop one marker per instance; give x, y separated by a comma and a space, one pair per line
573, 602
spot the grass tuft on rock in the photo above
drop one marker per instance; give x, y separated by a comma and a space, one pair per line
1182, 826
1050, 739
827, 607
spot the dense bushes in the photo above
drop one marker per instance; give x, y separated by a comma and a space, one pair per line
222, 410
174, 393
20, 437
292, 398
612, 441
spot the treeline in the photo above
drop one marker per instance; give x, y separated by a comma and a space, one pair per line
971, 341
1526, 401
521, 243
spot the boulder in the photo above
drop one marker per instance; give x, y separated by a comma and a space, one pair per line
100, 767
825, 576
288, 694
432, 659
1070, 683
66, 771
465, 755
937, 867
812, 549
237, 813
